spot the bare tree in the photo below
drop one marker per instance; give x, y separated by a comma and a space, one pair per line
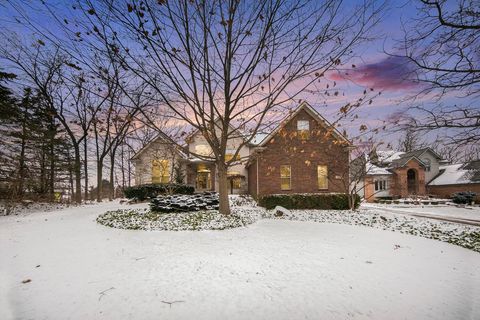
409, 141
442, 45
222, 66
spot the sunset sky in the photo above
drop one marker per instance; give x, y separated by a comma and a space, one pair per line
374, 68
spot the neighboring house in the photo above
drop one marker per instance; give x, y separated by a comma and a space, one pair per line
456, 178
304, 154
392, 174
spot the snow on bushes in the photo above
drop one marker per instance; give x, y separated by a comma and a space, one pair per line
465, 197
185, 203
144, 219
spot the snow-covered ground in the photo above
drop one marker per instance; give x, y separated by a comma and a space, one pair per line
448, 211
272, 269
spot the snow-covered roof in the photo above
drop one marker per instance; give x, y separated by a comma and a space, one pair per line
455, 174
258, 138
373, 170
388, 156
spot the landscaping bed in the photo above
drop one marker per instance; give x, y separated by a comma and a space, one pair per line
144, 219
245, 212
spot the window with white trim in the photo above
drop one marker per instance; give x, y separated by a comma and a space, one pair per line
380, 185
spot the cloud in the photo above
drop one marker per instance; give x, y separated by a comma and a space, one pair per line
388, 74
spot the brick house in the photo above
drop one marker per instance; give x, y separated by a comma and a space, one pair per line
454, 178
390, 174
304, 154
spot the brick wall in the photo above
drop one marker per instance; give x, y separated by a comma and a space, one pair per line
399, 186
286, 148
369, 189
446, 191
252, 178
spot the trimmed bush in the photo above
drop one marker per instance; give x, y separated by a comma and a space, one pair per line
465, 197
185, 203
149, 191
323, 201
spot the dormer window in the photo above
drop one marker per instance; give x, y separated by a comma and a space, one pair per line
303, 129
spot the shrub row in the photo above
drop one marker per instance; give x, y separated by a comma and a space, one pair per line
323, 201
148, 191
465, 197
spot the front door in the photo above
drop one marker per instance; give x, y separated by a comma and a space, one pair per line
412, 181
204, 178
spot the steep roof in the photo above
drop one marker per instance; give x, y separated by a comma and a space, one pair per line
314, 113
404, 160
373, 170
159, 136
418, 153
399, 157
388, 156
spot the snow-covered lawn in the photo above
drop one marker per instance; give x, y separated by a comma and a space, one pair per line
272, 269
448, 211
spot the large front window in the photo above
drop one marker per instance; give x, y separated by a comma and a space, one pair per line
322, 176
160, 171
286, 177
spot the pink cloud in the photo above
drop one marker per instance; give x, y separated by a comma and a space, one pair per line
388, 74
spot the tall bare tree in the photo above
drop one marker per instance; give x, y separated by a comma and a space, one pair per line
223, 66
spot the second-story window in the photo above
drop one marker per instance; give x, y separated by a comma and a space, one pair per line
303, 129
203, 150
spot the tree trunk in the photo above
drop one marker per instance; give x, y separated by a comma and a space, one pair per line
85, 166
223, 189
51, 191
70, 176
21, 170
111, 194
78, 174
99, 180
123, 167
